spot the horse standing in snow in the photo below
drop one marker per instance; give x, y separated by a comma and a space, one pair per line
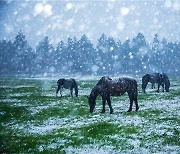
152, 78
67, 84
107, 87
160, 79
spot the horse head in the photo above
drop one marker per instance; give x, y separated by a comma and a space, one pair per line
60, 81
145, 80
91, 102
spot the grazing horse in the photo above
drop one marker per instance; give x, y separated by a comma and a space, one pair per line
107, 87
160, 79
68, 84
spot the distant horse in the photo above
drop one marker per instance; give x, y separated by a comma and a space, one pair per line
160, 79
107, 87
152, 78
165, 82
67, 84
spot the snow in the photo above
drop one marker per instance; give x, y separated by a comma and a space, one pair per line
60, 20
120, 25
38, 8
41, 8
169, 108
72, 122
95, 68
124, 11
69, 6
69, 22
168, 3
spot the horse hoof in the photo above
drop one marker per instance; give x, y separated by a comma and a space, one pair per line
129, 110
137, 109
111, 112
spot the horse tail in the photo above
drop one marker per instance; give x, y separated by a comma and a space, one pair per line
166, 82
167, 85
135, 91
135, 96
145, 80
75, 87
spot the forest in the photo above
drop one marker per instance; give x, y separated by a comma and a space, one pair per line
81, 57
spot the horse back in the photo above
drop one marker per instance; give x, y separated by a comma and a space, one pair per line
153, 78
66, 83
120, 86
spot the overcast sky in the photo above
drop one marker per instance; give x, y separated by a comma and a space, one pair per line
60, 19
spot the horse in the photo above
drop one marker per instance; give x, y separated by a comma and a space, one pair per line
107, 87
165, 82
160, 79
67, 84
152, 78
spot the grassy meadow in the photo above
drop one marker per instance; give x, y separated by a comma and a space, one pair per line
33, 120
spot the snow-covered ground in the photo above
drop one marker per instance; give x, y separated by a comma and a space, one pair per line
156, 117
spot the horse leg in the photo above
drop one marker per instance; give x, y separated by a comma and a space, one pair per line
61, 91
103, 103
158, 87
131, 101
57, 90
144, 91
71, 92
144, 85
109, 104
152, 86
163, 86
135, 99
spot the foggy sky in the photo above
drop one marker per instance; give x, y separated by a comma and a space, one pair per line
60, 19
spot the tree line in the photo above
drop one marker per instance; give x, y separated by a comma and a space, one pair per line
107, 57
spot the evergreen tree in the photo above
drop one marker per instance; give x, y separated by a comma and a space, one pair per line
60, 57
155, 55
86, 53
44, 56
23, 54
126, 56
106, 48
138, 55
6, 54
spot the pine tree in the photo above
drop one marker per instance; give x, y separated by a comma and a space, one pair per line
23, 54
44, 56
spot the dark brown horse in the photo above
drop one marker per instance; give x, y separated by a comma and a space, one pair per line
152, 78
67, 84
160, 79
107, 87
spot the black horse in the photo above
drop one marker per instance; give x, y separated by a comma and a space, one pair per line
160, 79
107, 87
68, 84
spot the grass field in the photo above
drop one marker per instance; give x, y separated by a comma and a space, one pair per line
33, 120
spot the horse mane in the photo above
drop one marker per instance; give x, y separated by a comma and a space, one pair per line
101, 83
60, 81
103, 80
146, 77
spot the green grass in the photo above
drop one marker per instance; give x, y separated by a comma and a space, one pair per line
33, 120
